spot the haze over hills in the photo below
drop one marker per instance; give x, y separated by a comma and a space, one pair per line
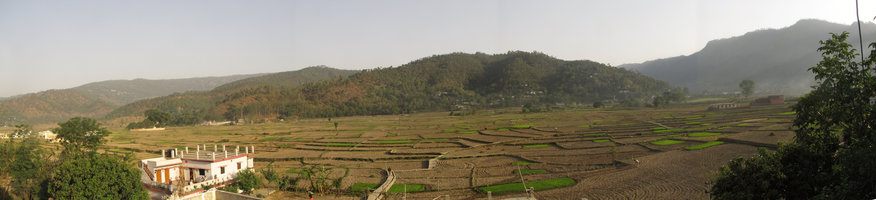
435, 83
199, 104
777, 60
98, 98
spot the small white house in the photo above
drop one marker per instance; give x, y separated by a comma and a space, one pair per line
48, 135
201, 167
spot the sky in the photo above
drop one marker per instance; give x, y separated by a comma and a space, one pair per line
65, 43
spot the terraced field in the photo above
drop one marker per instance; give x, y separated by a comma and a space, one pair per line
665, 153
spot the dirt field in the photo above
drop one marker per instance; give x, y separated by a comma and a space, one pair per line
610, 153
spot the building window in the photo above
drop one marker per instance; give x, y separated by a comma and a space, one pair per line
238, 166
222, 170
202, 172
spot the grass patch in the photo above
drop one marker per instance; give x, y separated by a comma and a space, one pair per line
503, 129
665, 130
340, 144
745, 125
435, 140
532, 171
666, 142
693, 123
602, 140
533, 146
538, 185
468, 132
406, 187
788, 113
521, 163
703, 134
704, 145
393, 141
363, 187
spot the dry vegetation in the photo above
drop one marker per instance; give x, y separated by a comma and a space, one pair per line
609, 153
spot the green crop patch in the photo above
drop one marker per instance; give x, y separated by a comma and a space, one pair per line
521, 163
666, 142
406, 187
602, 140
703, 134
532, 171
393, 141
340, 144
533, 146
704, 145
538, 185
788, 113
362, 187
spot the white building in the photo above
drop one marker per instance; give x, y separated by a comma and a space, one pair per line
201, 167
48, 135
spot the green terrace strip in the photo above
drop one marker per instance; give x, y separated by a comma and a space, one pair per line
521, 163
602, 140
693, 123
703, 134
340, 144
393, 141
503, 129
435, 140
532, 146
666, 142
468, 132
745, 125
704, 145
363, 187
664, 130
276, 139
406, 187
788, 113
532, 171
521, 126
538, 185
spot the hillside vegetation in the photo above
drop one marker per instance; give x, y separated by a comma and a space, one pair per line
776, 59
457, 81
96, 99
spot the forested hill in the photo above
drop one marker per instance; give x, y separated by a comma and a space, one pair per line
196, 106
96, 99
777, 60
436, 83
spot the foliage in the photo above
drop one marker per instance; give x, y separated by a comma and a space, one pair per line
747, 87
269, 173
27, 166
532, 171
80, 134
832, 155
95, 176
703, 134
535, 108
676, 95
538, 185
247, 180
317, 176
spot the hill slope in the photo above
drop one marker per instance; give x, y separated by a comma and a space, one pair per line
96, 99
200, 103
436, 83
776, 59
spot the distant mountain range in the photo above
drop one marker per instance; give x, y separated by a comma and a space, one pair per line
436, 83
98, 98
777, 60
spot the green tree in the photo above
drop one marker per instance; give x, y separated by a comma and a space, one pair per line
747, 87
160, 118
832, 155
27, 168
22, 131
80, 134
95, 176
247, 181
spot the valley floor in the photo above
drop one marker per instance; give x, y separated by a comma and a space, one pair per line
646, 153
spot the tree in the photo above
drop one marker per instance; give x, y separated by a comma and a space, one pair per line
27, 167
95, 176
247, 181
80, 134
747, 87
832, 155
160, 118
22, 131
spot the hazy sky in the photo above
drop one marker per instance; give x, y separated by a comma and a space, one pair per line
65, 43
